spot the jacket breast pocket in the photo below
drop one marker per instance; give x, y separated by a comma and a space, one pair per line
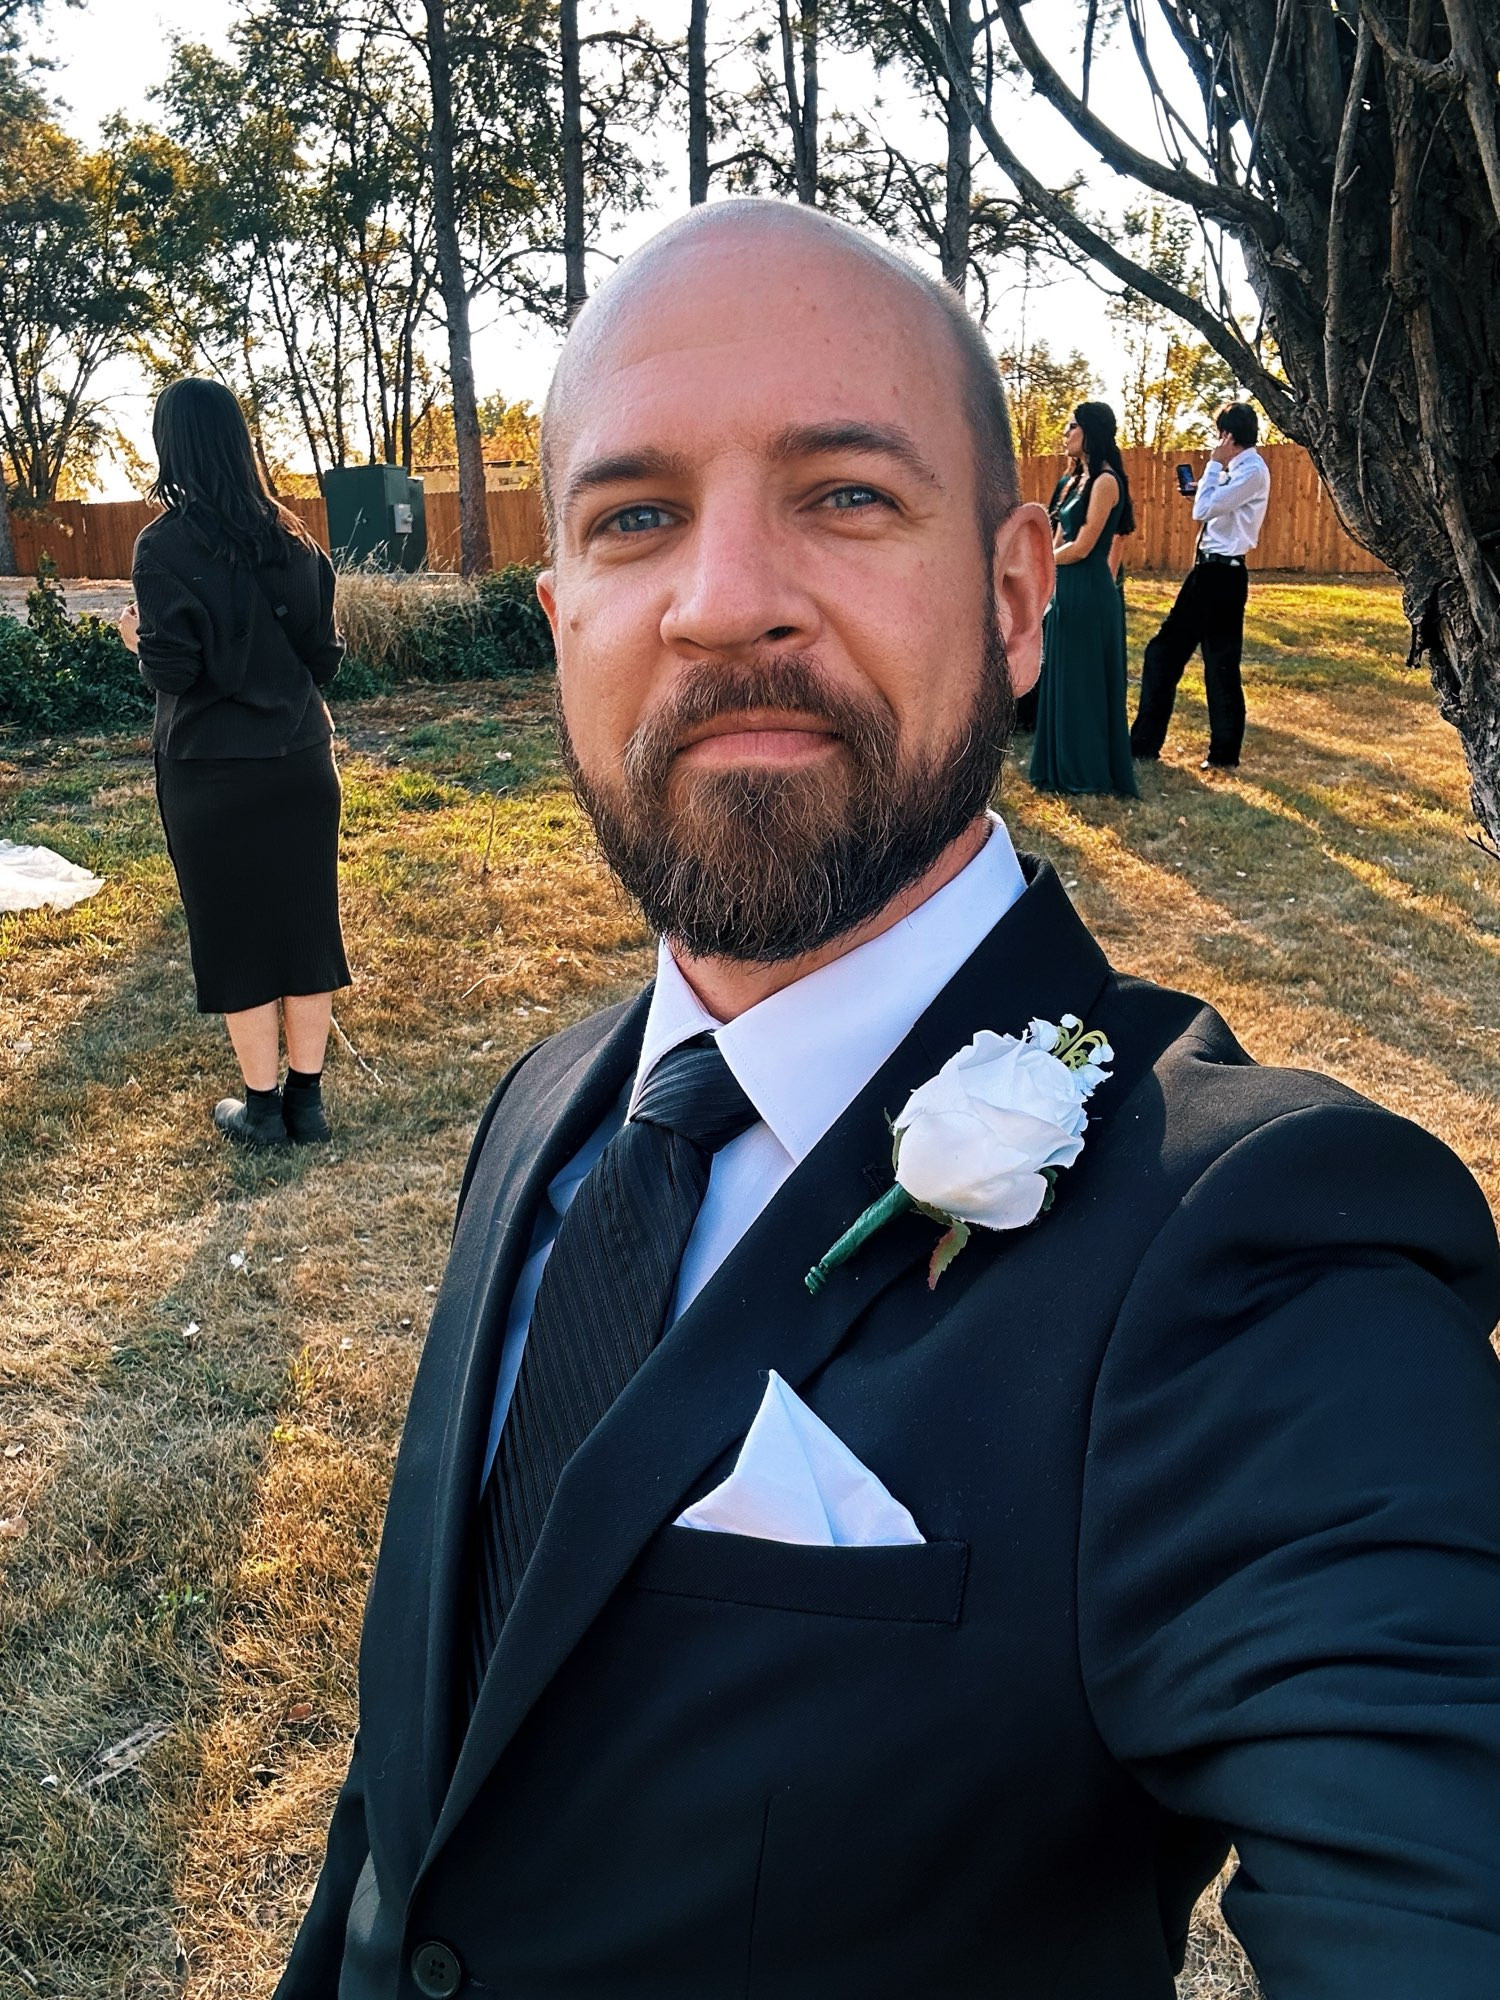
921, 1583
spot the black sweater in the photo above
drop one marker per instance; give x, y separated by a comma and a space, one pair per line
235, 656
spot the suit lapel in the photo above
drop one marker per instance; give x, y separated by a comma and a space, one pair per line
546, 1119
696, 1394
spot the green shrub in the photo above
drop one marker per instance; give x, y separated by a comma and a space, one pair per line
438, 628
59, 673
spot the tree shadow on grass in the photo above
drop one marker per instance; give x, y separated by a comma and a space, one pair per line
108, 1608
1360, 940
138, 1450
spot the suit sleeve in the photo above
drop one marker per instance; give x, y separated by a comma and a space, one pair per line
173, 629
1289, 1566
312, 1971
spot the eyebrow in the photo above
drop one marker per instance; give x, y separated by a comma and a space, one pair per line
796, 441
879, 440
619, 467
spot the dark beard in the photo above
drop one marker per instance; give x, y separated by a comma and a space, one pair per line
764, 866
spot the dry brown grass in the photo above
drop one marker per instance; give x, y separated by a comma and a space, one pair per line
379, 611
190, 1520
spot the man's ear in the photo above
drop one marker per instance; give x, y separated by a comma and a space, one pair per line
546, 596
1024, 574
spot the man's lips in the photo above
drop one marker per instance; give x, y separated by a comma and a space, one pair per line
770, 738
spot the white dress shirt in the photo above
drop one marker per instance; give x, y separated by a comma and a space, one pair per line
1231, 503
801, 1056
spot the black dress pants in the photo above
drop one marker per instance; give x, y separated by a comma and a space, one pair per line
1209, 612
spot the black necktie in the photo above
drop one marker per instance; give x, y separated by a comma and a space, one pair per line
605, 1295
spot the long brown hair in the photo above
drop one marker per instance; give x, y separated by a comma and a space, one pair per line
207, 474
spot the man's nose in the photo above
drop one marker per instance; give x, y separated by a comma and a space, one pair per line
737, 587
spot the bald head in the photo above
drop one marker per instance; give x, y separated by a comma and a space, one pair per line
779, 256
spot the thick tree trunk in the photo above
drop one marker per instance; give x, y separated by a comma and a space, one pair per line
7, 540
473, 507
1390, 351
958, 184
697, 58
575, 272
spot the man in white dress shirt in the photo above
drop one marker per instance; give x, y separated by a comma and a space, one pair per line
1230, 500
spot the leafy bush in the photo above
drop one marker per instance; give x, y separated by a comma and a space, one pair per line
439, 628
60, 673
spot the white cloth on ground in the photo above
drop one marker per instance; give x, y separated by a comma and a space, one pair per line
35, 878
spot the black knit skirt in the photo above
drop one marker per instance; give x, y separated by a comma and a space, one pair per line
255, 843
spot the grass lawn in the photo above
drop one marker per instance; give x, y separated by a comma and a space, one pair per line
204, 1358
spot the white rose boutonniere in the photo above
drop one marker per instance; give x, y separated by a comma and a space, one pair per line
982, 1143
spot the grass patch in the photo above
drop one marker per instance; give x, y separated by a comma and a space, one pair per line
194, 1450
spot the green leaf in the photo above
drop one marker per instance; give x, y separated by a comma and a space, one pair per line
948, 1247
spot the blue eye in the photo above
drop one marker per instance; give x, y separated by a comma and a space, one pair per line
854, 499
637, 520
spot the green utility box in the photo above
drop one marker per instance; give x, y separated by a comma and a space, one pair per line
377, 517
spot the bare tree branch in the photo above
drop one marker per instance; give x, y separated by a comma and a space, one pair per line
1478, 79
1278, 44
1224, 338
1344, 170
1443, 76
1235, 207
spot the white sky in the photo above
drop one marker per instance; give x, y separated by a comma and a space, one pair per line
109, 54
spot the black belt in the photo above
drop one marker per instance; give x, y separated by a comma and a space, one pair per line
1210, 555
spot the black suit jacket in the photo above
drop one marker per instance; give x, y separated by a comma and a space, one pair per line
1207, 1463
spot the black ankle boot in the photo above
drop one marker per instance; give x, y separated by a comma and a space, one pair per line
302, 1110
254, 1120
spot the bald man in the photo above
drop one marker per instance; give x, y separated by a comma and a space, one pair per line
755, 1622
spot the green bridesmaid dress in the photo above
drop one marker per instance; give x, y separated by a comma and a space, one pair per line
1082, 731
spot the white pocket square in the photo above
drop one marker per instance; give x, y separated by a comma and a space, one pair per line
797, 1481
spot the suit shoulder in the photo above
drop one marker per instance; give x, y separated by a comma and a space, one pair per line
1222, 1149
1176, 1047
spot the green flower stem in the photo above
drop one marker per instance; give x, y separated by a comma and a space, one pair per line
895, 1201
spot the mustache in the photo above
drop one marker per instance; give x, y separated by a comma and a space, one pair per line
788, 683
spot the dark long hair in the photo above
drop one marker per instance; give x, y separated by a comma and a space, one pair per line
208, 475
1102, 454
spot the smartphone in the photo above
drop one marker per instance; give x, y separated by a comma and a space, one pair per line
1185, 479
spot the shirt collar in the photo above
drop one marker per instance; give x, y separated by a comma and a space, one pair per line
803, 1054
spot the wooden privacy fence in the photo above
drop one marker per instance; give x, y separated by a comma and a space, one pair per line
1302, 531
96, 538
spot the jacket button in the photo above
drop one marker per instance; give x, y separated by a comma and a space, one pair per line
436, 1971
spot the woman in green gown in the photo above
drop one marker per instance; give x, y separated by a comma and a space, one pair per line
1082, 728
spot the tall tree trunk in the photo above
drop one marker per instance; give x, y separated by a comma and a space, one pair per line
957, 198
801, 94
575, 271
810, 99
473, 507
697, 55
7, 539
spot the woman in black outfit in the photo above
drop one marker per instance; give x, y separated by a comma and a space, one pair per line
233, 623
